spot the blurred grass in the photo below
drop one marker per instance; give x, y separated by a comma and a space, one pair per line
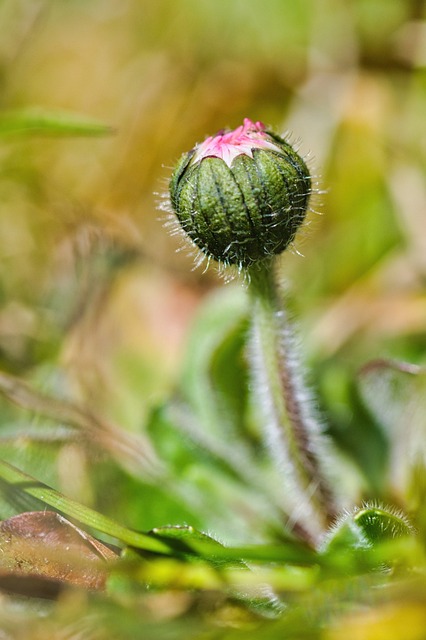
95, 303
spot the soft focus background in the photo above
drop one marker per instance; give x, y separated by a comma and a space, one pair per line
97, 304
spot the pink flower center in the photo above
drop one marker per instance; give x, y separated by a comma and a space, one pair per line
229, 145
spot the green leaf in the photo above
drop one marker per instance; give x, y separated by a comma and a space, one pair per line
229, 376
395, 393
165, 540
44, 122
370, 538
84, 515
134, 450
212, 350
207, 432
188, 540
212, 479
379, 524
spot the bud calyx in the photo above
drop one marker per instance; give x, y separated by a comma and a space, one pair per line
241, 195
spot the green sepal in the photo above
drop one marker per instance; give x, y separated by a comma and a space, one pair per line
379, 525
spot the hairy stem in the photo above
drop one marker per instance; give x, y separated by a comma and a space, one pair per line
294, 434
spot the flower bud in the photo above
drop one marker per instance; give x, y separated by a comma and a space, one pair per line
241, 195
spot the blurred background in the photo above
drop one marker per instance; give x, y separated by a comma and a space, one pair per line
96, 301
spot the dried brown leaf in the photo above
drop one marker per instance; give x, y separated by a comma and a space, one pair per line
42, 552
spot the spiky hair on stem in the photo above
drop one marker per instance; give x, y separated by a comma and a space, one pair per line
241, 195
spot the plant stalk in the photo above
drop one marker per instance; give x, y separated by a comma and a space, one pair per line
291, 427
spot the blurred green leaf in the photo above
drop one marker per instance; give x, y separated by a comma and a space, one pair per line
85, 516
229, 376
348, 78
395, 393
134, 449
213, 370
217, 481
32, 121
206, 432
352, 426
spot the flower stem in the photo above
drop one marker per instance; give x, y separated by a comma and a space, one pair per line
293, 432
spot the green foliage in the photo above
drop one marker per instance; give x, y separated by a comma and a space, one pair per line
366, 549
43, 122
130, 420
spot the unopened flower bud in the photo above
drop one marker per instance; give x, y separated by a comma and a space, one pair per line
241, 195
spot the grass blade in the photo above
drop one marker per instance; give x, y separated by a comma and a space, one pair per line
84, 515
42, 122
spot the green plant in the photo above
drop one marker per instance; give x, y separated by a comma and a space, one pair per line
293, 560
